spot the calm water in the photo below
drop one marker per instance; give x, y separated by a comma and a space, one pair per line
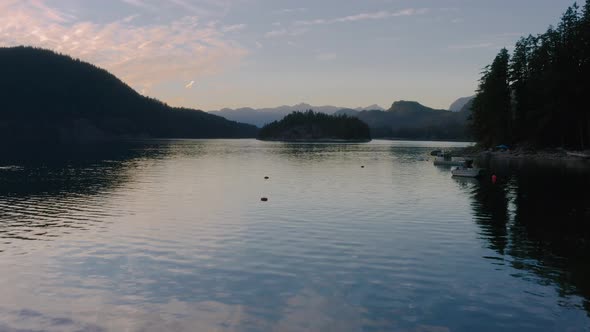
172, 236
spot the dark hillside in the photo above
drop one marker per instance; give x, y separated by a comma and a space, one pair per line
48, 96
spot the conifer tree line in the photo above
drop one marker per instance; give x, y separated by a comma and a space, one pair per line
315, 125
539, 95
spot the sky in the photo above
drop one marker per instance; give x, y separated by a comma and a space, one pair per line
211, 54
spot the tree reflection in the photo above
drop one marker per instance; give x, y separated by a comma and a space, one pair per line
547, 232
48, 191
490, 205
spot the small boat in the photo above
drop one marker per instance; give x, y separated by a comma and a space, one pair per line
445, 159
468, 172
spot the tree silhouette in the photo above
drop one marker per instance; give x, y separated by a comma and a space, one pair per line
492, 119
313, 126
545, 89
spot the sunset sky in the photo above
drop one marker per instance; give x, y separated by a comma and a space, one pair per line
210, 54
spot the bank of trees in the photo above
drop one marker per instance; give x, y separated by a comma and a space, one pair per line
537, 94
312, 125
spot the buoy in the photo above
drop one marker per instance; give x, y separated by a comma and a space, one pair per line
264, 199
494, 179
362, 166
266, 178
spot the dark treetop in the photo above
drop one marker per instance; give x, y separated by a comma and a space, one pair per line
311, 126
538, 95
52, 97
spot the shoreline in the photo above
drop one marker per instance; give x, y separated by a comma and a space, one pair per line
306, 140
557, 154
425, 140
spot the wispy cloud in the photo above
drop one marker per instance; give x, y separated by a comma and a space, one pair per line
291, 10
303, 26
191, 7
471, 46
141, 4
130, 18
285, 32
142, 56
233, 28
379, 15
326, 56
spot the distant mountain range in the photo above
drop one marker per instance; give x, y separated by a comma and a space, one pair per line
54, 98
410, 119
404, 119
262, 116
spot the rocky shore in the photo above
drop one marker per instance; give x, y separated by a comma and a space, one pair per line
525, 153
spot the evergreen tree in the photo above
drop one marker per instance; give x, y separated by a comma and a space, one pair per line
584, 27
549, 78
568, 78
520, 85
492, 113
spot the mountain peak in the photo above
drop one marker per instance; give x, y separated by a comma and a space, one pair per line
370, 108
458, 104
407, 106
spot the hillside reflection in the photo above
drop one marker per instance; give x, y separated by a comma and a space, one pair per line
48, 191
538, 220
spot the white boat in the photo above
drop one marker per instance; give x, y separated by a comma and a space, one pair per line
443, 159
469, 172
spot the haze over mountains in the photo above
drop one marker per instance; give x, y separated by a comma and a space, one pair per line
404, 119
262, 116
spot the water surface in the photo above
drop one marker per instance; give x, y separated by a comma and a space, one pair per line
172, 236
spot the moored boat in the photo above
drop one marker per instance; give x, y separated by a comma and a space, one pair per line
469, 172
445, 159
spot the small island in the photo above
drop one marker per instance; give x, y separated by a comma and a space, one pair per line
311, 126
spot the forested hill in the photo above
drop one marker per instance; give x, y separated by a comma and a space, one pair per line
538, 95
52, 97
412, 120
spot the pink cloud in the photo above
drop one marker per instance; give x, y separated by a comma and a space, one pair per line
142, 56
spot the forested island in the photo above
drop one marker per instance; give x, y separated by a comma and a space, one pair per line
54, 98
313, 126
537, 96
